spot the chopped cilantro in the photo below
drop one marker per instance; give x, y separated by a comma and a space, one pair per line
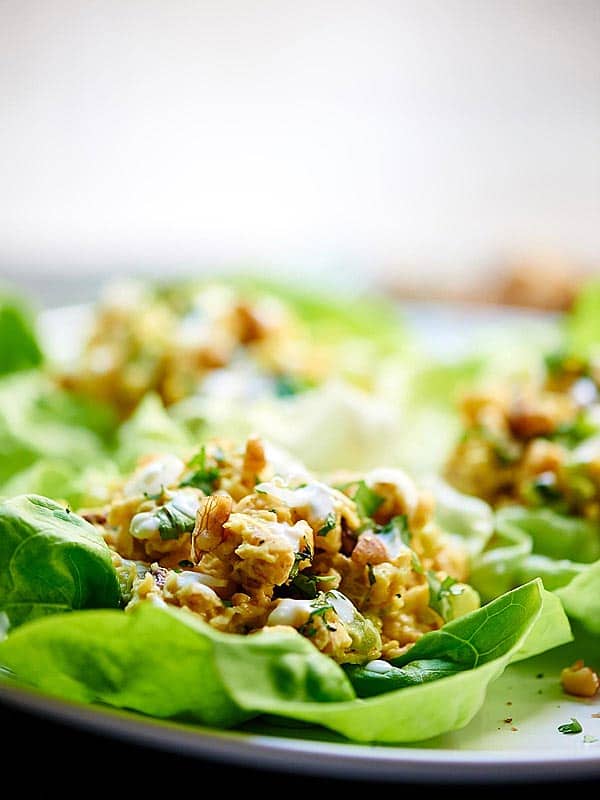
289, 385
371, 574
555, 362
544, 488
440, 593
416, 563
330, 523
173, 520
321, 610
572, 433
203, 478
571, 727
303, 555
320, 607
366, 500
306, 583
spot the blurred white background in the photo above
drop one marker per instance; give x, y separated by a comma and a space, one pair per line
376, 136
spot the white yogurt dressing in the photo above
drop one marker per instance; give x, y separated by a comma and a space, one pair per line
163, 471
291, 612
293, 533
188, 578
146, 524
143, 525
343, 607
378, 665
315, 498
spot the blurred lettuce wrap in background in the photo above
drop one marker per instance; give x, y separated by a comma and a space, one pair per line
531, 448
338, 380
516, 544
19, 346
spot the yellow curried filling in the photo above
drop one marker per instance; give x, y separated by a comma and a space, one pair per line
142, 342
536, 445
248, 541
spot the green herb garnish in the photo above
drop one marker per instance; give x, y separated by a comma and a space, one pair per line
416, 563
307, 584
371, 574
367, 500
544, 488
440, 593
303, 555
173, 520
556, 362
572, 433
571, 727
155, 496
203, 478
290, 385
330, 523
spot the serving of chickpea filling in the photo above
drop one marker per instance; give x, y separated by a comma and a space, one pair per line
536, 444
249, 540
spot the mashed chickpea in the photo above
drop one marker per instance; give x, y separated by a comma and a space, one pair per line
350, 567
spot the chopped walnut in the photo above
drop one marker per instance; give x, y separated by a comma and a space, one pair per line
213, 512
369, 550
254, 462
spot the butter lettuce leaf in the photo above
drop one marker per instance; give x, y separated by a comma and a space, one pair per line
168, 663
581, 597
51, 560
150, 430
38, 421
582, 326
528, 543
19, 346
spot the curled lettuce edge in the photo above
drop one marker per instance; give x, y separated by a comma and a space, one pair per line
581, 597
528, 543
167, 663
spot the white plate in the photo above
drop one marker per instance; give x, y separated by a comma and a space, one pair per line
514, 736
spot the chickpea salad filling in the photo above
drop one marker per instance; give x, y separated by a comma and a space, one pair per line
234, 500
224, 339
360, 568
233, 583
537, 444
529, 451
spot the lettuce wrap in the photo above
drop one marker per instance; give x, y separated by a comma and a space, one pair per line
517, 544
167, 662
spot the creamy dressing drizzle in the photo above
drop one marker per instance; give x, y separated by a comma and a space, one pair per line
160, 473
315, 498
291, 612
378, 665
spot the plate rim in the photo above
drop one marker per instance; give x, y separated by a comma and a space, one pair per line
315, 757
